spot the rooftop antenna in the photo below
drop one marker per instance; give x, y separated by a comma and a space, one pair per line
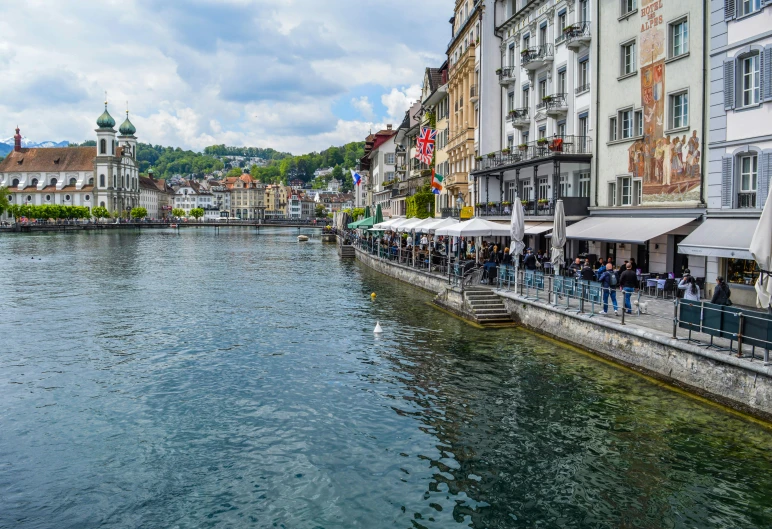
105, 99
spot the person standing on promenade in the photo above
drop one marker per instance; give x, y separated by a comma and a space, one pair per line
628, 281
530, 260
721, 293
608, 281
689, 285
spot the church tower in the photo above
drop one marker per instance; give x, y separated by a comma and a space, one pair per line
105, 184
128, 162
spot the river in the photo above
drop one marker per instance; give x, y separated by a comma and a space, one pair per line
195, 379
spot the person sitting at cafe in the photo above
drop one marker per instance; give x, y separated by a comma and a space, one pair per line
424, 242
576, 267
506, 258
587, 273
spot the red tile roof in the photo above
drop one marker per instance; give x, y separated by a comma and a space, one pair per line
52, 159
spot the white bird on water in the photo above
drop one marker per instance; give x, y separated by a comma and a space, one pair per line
378, 329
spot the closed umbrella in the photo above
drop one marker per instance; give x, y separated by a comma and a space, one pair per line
367, 211
378, 214
761, 248
558, 238
517, 232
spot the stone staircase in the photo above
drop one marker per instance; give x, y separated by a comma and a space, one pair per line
486, 307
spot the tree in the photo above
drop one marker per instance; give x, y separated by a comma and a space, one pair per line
197, 213
320, 210
235, 172
138, 213
178, 212
4, 204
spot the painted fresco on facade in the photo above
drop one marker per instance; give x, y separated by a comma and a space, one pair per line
669, 165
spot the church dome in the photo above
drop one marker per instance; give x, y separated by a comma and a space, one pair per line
105, 121
127, 128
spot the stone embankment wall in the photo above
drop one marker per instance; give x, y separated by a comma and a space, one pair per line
716, 375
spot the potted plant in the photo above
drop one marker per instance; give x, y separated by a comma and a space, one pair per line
546, 99
523, 146
479, 204
491, 204
505, 150
506, 203
478, 158
525, 51
491, 155
541, 142
512, 113
543, 201
524, 202
498, 71
568, 29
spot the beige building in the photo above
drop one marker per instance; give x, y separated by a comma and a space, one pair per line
247, 197
275, 200
462, 94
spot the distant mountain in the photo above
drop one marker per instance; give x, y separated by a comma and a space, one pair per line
5, 149
26, 142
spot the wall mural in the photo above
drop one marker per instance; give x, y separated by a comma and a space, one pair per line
669, 165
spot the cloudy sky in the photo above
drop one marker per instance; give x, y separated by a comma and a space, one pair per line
295, 75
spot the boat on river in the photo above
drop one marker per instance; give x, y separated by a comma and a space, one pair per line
302, 238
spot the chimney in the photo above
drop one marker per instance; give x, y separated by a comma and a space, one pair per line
388, 127
17, 140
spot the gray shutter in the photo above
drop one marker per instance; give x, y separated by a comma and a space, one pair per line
727, 182
766, 78
728, 9
729, 90
764, 176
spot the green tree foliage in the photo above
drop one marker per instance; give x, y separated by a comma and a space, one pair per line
420, 205
100, 212
49, 211
251, 152
4, 204
87, 143
236, 171
168, 161
138, 213
267, 175
197, 213
356, 213
178, 212
320, 211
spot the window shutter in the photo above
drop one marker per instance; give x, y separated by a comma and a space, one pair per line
764, 176
729, 90
728, 9
766, 76
727, 182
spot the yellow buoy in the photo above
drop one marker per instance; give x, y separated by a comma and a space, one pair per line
372, 296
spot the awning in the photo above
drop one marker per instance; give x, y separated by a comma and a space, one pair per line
536, 228
364, 223
721, 238
635, 230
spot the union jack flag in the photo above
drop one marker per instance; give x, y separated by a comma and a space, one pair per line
425, 145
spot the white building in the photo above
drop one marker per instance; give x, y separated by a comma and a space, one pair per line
154, 196
381, 162
106, 175
222, 199
191, 195
740, 144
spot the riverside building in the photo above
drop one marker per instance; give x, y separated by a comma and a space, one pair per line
537, 146
647, 191
106, 175
379, 161
740, 142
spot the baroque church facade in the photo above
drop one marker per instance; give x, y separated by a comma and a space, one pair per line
106, 175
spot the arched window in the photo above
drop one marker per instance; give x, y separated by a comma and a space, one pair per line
73, 181
102, 147
53, 181
34, 182
48, 198
88, 197
113, 151
101, 180
102, 204
91, 181
29, 198
115, 182
15, 182
67, 198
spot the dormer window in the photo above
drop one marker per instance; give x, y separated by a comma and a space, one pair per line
56, 160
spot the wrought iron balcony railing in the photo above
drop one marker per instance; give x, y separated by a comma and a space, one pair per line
542, 148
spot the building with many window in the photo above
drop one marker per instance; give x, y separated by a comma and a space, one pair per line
247, 197
739, 141
106, 175
379, 161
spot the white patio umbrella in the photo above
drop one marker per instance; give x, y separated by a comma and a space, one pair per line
558, 238
475, 227
408, 225
761, 248
440, 223
517, 232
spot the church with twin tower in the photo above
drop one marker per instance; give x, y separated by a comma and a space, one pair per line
106, 175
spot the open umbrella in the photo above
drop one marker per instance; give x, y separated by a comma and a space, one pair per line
558, 238
761, 248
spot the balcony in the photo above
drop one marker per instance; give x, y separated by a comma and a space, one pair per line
577, 35
572, 206
535, 57
474, 94
582, 89
746, 199
520, 117
506, 75
450, 213
556, 105
535, 150
460, 137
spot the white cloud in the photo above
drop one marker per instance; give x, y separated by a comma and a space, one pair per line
399, 100
240, 72
364, 106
